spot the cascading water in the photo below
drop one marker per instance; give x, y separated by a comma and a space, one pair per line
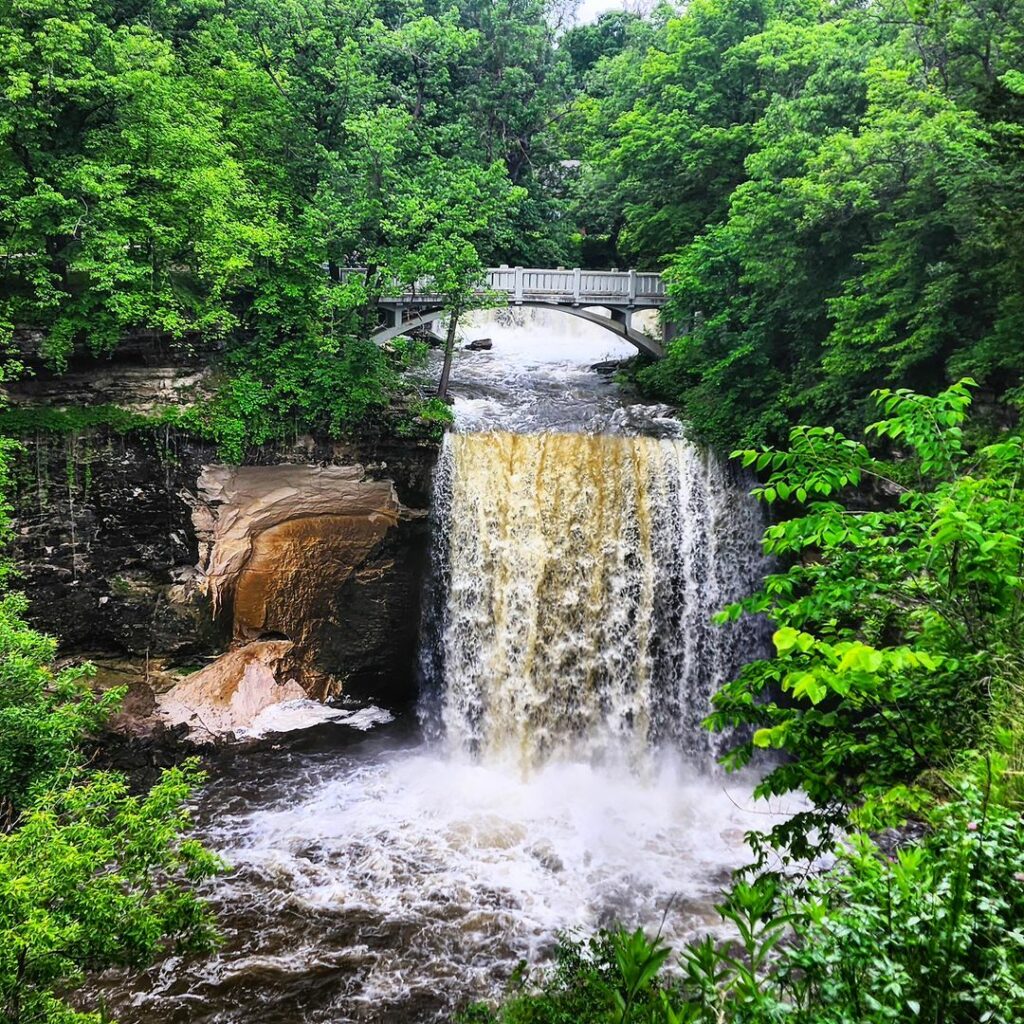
564, 781
582, 572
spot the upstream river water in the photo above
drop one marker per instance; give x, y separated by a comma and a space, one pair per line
553, 776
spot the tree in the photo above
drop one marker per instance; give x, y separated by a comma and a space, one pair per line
121, 203
834, 193
463, 213
590, 43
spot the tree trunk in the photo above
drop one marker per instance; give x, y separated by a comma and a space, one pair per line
449, 348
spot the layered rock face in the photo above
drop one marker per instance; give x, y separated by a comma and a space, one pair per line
304, 553
142, 550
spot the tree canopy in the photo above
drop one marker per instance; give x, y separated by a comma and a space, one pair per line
834, 191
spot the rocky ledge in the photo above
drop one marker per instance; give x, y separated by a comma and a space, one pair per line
141, 549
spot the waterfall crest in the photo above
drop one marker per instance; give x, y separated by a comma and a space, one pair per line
579, 574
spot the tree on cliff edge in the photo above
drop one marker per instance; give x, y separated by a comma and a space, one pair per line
445, 227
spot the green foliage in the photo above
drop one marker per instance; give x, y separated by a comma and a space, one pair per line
298, 386
204, 172
428, 420
43, 714
24, 420
897, 624
606, 37
120, 203
834, 191
93, 877
577, 987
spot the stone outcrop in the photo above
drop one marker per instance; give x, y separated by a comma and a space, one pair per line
229, 695
106, 548
298, 552
237, 504
141, 548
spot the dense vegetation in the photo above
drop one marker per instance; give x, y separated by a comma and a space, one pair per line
835, 191
203, 171
930, 934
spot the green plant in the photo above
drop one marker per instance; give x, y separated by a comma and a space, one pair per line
427, 419
826, 187
93, 877
897, 614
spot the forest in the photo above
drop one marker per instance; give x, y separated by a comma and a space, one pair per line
834, 191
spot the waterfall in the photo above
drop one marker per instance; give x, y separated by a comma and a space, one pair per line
577, 577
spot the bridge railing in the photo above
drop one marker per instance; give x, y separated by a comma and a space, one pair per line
528, 284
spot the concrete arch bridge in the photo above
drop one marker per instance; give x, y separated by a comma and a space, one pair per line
608, 298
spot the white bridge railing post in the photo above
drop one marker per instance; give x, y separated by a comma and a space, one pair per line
519, 285
632, 287
576, 286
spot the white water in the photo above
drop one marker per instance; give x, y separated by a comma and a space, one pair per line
581, 573
298, 715
571, 788
457, 869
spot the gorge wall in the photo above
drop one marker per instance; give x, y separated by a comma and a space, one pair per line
143, 551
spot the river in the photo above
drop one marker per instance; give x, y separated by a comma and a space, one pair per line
553, 775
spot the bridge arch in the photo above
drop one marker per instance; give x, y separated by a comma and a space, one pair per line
642, 342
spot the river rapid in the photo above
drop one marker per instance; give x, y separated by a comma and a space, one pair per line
395, 865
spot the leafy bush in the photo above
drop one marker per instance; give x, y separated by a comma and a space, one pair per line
897, 614
272, 394
92, 877
304, 384
933, 933
833, 191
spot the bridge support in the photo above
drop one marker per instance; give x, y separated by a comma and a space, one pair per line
620, 323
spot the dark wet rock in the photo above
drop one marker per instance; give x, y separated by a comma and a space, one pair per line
610, 366
548, 858
480, 345
108, 538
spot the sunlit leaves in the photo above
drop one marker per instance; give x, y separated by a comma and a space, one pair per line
897, 610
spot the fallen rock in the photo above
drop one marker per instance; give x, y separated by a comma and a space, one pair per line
228, 696
480, 345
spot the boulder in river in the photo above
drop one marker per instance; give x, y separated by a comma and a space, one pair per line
229, 695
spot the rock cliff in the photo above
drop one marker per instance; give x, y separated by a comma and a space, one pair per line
145, 552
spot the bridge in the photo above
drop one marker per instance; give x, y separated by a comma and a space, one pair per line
608, 298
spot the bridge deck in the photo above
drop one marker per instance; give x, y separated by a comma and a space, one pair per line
620, 288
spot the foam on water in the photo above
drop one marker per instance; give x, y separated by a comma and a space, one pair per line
392, 886
296, 715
